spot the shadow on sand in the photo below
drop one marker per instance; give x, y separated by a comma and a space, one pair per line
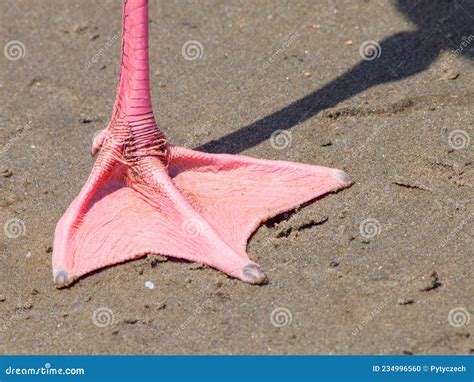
441, 25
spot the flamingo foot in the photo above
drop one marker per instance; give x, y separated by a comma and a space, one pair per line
147, 197
196, 206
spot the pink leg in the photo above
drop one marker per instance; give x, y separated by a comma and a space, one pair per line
145, 196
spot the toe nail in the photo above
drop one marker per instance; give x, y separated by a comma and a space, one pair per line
61, 278
344, 177
253, 274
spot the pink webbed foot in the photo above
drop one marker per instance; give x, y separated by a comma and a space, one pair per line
236, 193
202, 208
146, 197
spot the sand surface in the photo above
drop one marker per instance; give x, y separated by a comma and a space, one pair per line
385, 266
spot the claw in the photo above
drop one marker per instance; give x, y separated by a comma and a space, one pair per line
62, 279
252, 274
98, 141
344, 178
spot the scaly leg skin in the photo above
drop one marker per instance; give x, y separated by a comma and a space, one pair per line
145, 196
